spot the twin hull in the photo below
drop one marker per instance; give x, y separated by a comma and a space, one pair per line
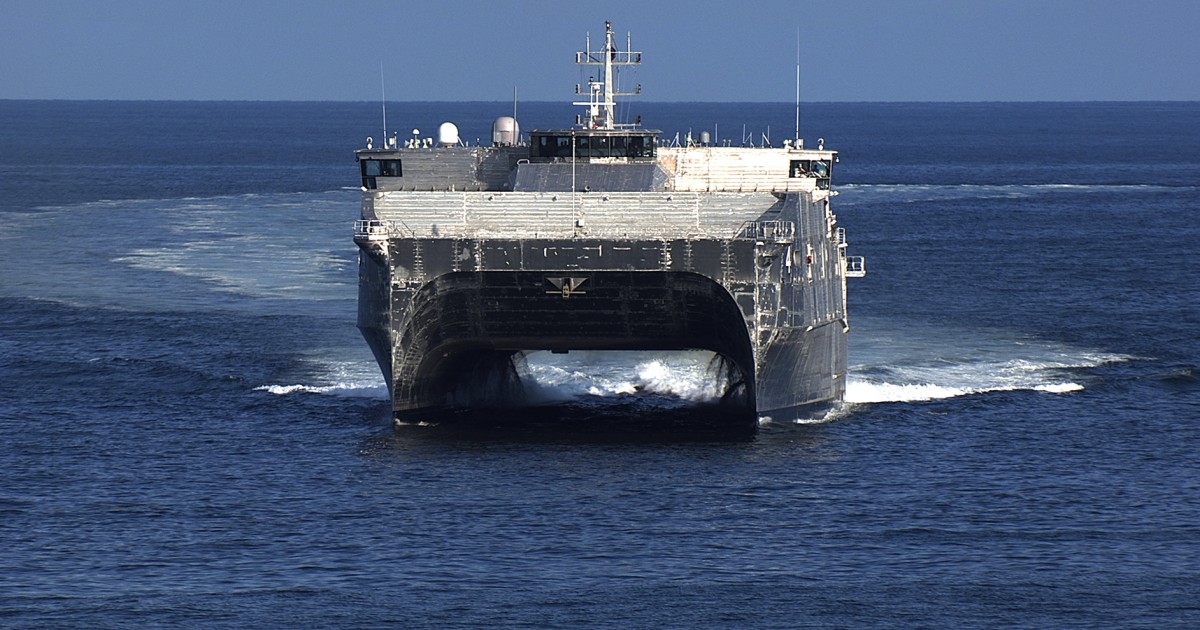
447, 310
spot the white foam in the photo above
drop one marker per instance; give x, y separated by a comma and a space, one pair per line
836, 412
862, 392
911, 193
687, 379
934, 362
859, 391
350, 390
680, 375
350, 379
280, 390
1059, 388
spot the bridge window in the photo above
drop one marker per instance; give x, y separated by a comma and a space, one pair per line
552, 147
601, 147
641, 146
378, 168
590, 146
620, 145
818, 169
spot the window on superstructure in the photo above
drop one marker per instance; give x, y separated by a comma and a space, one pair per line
593, 146
601, 147
620, 146
637, 147
818, 169
380, 168
371, 169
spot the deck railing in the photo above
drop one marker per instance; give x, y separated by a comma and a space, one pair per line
856, 267
777, 231
371, 229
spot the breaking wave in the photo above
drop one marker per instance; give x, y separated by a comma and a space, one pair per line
922, 365
687, 377
671, 379
349, 379
944, 363
666, 378
862, 391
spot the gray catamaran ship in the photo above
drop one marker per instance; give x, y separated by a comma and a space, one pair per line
600, 237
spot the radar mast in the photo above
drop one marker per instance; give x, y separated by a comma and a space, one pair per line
601, 104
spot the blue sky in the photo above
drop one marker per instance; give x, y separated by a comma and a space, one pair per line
853, 50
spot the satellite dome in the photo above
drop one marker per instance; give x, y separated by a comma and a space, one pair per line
505, 131
447, 134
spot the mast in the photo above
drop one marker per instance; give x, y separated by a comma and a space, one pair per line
383, 101
601, 104
799, 142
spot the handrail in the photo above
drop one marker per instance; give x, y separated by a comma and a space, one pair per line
778, 231
856, 267
372, 229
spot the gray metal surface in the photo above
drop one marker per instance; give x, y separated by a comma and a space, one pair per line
778, 264
562, 214
558, 176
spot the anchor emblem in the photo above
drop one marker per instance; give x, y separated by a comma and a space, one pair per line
566, 286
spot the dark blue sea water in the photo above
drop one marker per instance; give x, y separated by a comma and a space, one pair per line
195, 435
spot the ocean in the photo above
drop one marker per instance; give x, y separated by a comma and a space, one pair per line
195, 434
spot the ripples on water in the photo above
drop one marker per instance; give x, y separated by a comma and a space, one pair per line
196, 435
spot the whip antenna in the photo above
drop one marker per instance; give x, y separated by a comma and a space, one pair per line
797, 83
383, 101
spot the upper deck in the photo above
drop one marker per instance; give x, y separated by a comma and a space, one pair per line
599, 154
597, 168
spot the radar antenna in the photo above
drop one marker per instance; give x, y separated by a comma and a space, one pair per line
601, 104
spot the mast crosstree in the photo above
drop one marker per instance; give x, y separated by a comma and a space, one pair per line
601, 104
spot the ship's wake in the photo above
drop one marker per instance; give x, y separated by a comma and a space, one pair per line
921, 364
607, 395
912, 385
892, 194
350, 379
663, 379
890, 364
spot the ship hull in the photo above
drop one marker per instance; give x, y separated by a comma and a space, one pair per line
449, 332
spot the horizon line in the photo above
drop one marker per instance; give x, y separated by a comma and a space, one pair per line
568, 103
